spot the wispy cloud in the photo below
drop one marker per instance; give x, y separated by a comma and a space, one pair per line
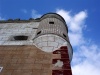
24, 11
35, 14
1, 18
86, 54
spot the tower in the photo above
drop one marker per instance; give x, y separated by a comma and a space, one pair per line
36, 46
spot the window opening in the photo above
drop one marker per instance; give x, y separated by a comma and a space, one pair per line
39, 32
51, 22
64, 35
20, 37
34, 28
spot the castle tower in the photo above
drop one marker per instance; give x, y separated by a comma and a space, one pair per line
35, 47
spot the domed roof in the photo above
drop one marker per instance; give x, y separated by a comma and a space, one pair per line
53, 15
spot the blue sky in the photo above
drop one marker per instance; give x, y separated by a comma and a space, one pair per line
13, 9
82, 17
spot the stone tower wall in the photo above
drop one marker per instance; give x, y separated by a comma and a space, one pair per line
52, 33
46, 26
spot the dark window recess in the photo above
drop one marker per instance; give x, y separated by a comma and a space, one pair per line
39, 32
35, 28
51, 22
20, 37
64, 35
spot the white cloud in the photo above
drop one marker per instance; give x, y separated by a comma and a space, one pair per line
86, 69
35, 14
66, 14
86, 55
75, 24
76, 38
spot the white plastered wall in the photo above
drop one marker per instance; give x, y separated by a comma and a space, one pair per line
51, 42
8, 30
